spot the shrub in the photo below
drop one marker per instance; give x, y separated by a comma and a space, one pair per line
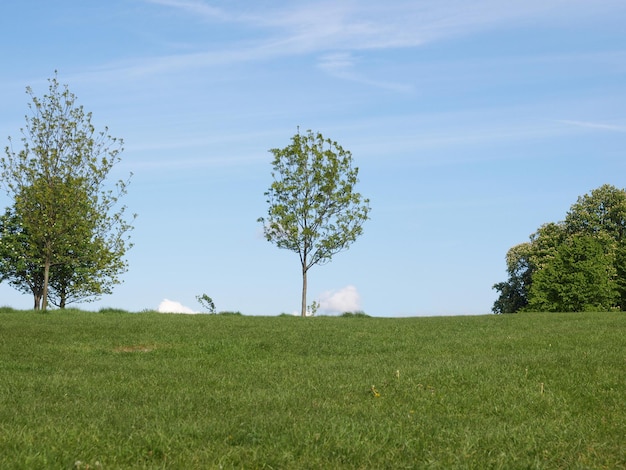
112, 310
359, 314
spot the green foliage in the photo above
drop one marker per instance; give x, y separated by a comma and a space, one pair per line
175, 391
580, 277
109, 310
19, 264
603, 213
358, 314
206, 302
514, 292
313, 207
578, 264
63, 239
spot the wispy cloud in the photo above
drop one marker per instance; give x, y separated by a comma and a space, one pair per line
332, 30
596, 125
370, 24
193, 7
342, 65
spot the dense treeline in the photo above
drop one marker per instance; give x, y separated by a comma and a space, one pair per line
578, 264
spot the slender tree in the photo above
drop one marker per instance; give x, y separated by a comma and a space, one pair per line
76, 235
313, 207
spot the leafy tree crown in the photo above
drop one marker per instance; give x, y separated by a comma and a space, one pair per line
313, 207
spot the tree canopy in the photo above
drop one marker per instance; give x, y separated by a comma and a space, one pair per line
314, 209
64, 238
574, 265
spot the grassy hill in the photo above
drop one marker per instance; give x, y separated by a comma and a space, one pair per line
148, 390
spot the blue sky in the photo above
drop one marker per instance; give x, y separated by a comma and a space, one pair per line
472, 123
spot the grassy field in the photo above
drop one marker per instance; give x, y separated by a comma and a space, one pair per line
117, 390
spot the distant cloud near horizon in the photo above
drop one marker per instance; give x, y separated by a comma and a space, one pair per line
346, 299
171, 306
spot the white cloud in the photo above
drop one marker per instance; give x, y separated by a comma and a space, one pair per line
346, 299
170, 306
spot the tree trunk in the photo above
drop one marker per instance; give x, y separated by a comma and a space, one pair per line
36, 290
37, 299
46, 275
304, 270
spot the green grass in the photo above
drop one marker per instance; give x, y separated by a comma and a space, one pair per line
121, 390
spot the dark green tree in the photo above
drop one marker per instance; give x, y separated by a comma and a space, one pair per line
544, 244
603, 211
17, 265
576, 264
313, 207
580, 277
76, 234
83, 276
515, 291
523, 261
